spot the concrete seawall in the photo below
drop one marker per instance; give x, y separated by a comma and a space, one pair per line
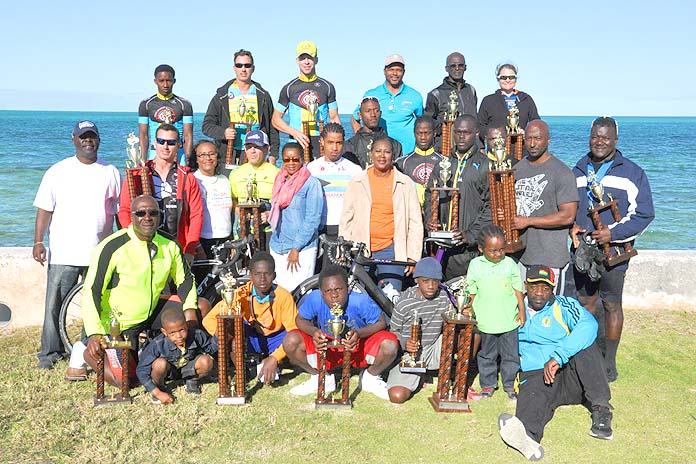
655, 279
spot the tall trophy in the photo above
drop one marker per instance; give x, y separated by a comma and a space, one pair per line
135, 163
447, 123
117, 352
230, 315
515, 138
312, 108
501, 181
336, 326
442, 229
245, 114
250, 210
612, 255
457, 334
409, 361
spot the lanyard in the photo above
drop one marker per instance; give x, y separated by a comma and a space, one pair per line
603, 169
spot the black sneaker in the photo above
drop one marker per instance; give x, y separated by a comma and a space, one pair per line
192, 387
601, 423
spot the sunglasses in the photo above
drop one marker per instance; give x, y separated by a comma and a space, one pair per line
456, 65
507, 78
291, 160
243, 65
170, 142
147, 212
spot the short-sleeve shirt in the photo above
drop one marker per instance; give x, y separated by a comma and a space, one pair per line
361, 311
264, 175
155, 111
334, 178
294, 97
539, 191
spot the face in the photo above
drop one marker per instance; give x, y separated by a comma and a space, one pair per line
262, 275
176, 332
424, 135
536, 139
145, 216
494, 250
86, 145
255, 155
538, 294
602, 142
206, 156
169, 148
333, 145
292, 160
244, 72
455, 66
465, 134
370, 113
164, 82
306, 64
394, 75
504, 79
334, 290
491, 135
382, 155
427, 287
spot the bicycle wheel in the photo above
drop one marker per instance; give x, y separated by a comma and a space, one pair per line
70, 318
212, 292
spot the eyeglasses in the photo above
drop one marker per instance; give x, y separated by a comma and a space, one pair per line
147, 212
243, 65
507, 78
207, 155
170, 142
456, 65
291, 160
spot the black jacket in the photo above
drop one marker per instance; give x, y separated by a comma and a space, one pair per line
494, 111
437, 99
355, 148
217, 118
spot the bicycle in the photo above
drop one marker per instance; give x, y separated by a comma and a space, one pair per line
227, 257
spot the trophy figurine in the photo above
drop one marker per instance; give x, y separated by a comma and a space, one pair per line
230, 315
501, 181
457, 335
118, 354
612, 255
312, 108
135, 163
444, 230
513, 121
515, 137
448, 121
250, 210
368, 162
336, 326
409, 362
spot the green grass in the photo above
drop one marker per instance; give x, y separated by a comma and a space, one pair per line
45, 419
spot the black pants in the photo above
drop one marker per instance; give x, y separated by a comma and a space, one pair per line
582, 381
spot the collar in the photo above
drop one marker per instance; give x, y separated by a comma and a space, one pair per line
427, 152
467, 154
265, 299
163, 97
311, 78
587, 160
398, 92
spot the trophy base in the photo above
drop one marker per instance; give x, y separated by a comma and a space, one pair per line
112, 400
416, 368
231, 401
619, 258
440, 405
333, 404
250, 204
514, 247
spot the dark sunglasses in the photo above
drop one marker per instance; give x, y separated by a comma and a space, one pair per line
170, 142
243, 65
147, 212
291, 160
507, 78
456, 65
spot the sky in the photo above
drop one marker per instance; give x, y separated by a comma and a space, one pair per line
619, 58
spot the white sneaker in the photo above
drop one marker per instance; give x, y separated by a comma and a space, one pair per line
375, 385
311, 385
513, 433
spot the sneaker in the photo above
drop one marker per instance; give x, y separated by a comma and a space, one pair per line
473, 395
192, 387
487, 392
601, 423
513, 433
512, 395
76, 374
311, 385
375, 385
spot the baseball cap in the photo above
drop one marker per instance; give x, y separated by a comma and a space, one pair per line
538, 273
83, 127
256, 137
429, 268
394, 59
306, 48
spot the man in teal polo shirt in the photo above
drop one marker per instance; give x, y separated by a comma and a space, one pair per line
401, 105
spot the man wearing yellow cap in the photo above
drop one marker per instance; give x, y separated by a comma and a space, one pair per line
296, 95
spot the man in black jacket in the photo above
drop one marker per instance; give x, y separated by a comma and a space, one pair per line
247, 104
357, 148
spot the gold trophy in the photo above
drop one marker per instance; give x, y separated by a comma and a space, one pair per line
250, 209
135, 162
234, 314
597, 189
368, 162
452, 106
513, 121
312, 108
336, 325
501, 181
133, 153
122, 348
445, 230
515, 139
409, 361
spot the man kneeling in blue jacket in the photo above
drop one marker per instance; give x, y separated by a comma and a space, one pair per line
560, 363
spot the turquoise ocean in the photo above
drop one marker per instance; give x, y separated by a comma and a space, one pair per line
664, 146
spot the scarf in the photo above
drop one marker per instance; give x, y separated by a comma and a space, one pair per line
284, 188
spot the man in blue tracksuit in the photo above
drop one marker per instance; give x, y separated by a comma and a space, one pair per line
560, 364
626, 182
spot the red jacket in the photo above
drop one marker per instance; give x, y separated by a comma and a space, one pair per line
189, 206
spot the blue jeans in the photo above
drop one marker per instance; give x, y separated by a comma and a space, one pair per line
61, 279
386, 272
505, 345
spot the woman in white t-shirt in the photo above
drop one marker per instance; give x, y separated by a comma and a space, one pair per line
217, 196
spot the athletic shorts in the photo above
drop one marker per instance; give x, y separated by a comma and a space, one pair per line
610, 285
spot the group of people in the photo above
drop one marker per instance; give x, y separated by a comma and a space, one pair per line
384, 187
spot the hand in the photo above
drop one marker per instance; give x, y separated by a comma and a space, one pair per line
39, 253
294, 260
521, 317
602, 235
458, 237
412, 345
550, 369
302, 139
320, 340
268, 370
521, 222
230, 133
164, 397
574, 231
94, 346
409, 269
350, 341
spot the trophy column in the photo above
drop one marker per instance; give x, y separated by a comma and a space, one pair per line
441, 228
223, 324
501, 181
336, 325
122, 350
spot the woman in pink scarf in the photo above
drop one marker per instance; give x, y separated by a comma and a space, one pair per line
296, 207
